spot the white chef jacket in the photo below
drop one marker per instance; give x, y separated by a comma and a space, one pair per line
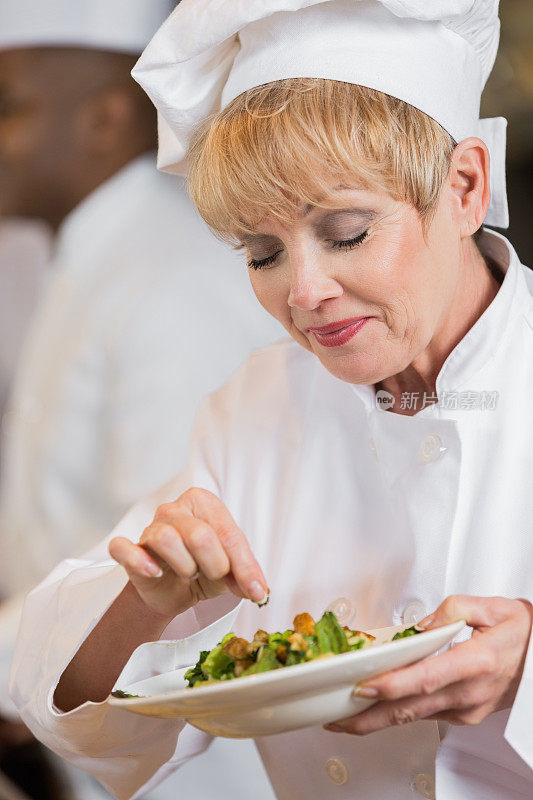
377, 515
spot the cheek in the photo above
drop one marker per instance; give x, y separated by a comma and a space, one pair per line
272, 294
272, 291
14, 138
400, 280
24, 142
392, 283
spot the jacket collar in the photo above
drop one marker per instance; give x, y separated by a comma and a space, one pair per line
487, 335
484, 339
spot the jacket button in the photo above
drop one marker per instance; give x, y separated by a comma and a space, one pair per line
373, 449
431, 448
425, 785
413, 612
343, 609
337, 770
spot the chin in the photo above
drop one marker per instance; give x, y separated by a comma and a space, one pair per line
350, 370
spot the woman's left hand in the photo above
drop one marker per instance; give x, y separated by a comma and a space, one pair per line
463, 685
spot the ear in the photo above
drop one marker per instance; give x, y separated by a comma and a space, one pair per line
103, 121
468, 180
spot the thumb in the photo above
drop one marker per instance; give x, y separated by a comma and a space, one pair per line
477, 612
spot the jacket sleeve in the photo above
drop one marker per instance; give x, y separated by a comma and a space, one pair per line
122, 750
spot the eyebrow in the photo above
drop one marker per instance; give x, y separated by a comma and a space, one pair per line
341, 188
256, 238
363, 213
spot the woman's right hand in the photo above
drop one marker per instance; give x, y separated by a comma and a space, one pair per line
191, 551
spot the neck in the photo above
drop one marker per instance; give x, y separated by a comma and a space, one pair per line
475, 290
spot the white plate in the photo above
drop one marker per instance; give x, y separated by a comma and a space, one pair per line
313, 693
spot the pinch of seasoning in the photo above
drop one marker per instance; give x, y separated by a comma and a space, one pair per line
265, 599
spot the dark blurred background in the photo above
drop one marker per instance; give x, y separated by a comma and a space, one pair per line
509, 93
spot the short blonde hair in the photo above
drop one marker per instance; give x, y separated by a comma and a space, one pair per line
277, 147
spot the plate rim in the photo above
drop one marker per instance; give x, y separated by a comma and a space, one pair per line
272, 677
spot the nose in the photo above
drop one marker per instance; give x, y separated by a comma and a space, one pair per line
310, 285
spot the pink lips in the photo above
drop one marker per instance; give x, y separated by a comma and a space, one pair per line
338, 333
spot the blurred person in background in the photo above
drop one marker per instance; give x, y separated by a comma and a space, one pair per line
137, 296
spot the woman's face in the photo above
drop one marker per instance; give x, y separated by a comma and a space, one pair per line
357, 284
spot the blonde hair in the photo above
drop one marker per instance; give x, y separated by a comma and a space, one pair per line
277, 147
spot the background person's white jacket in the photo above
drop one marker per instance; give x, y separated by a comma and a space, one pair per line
383, 514
143, 313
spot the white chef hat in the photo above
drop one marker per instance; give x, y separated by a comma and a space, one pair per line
434, 54
123, 26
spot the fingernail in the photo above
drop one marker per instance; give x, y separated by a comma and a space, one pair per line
365, 691
152, 570
258, 594
424, 623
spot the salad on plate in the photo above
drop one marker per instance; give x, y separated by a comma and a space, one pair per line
307, 640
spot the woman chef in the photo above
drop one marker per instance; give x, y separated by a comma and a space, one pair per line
380, 463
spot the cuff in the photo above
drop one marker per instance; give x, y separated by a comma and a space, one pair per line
519, 730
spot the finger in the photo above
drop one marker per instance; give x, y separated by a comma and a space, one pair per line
464, 716
478, 612
232, 584
453, 717
470, 659
454, 700
204, 546
386, 714
164, 541
245, 569
134, 559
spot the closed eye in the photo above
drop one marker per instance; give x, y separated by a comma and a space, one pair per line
349, 244
254, 263
345, 244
